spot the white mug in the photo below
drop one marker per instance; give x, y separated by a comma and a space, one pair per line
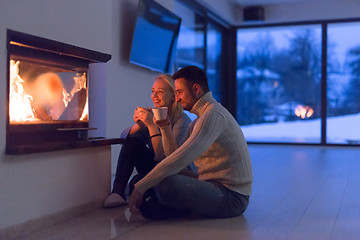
160, 113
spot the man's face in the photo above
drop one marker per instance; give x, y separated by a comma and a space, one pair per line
185, 94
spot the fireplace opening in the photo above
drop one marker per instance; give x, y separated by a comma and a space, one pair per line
48, 86
46, 94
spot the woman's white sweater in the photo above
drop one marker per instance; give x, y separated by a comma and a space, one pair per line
217, 147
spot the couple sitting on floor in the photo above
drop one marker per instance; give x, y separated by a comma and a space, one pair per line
164, 152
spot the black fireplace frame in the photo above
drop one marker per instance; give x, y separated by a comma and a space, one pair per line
42, 137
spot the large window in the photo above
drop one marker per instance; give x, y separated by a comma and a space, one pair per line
343, 83
278, 83
299, 83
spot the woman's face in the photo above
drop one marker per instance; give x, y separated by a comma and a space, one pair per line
161, 94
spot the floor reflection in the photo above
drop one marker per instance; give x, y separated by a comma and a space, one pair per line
124, 222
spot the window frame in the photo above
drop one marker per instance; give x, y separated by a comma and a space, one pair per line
324, 27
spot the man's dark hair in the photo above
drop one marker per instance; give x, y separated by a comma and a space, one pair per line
192, 75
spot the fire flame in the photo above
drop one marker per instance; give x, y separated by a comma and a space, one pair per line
85, 112
304, 111
20, 102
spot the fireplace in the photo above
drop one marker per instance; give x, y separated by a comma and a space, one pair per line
48, 100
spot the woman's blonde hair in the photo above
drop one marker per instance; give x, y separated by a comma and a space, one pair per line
177, 108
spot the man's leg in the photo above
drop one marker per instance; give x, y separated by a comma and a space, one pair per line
209, 199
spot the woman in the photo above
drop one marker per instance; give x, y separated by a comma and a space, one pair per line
143, 147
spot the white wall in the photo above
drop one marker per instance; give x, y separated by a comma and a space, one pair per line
37, 185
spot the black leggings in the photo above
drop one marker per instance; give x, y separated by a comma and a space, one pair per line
137, 151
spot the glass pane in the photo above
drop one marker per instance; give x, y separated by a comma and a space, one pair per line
279, 83
214, 60
43, 93
343, 83
190, 46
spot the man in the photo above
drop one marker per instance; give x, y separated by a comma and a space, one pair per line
215, 143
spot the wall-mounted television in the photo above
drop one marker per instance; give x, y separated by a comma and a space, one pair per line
155, 36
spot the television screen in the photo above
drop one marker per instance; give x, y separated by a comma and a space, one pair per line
155, 36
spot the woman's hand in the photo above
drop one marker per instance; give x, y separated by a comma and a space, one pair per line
145, 115
135, 116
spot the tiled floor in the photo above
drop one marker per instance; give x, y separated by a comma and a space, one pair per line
298, 193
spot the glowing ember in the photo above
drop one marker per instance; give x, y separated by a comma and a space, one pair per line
304, 111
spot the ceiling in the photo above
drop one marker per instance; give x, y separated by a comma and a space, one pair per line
245, 3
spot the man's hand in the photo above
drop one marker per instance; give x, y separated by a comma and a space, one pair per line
135, 201
162, 123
